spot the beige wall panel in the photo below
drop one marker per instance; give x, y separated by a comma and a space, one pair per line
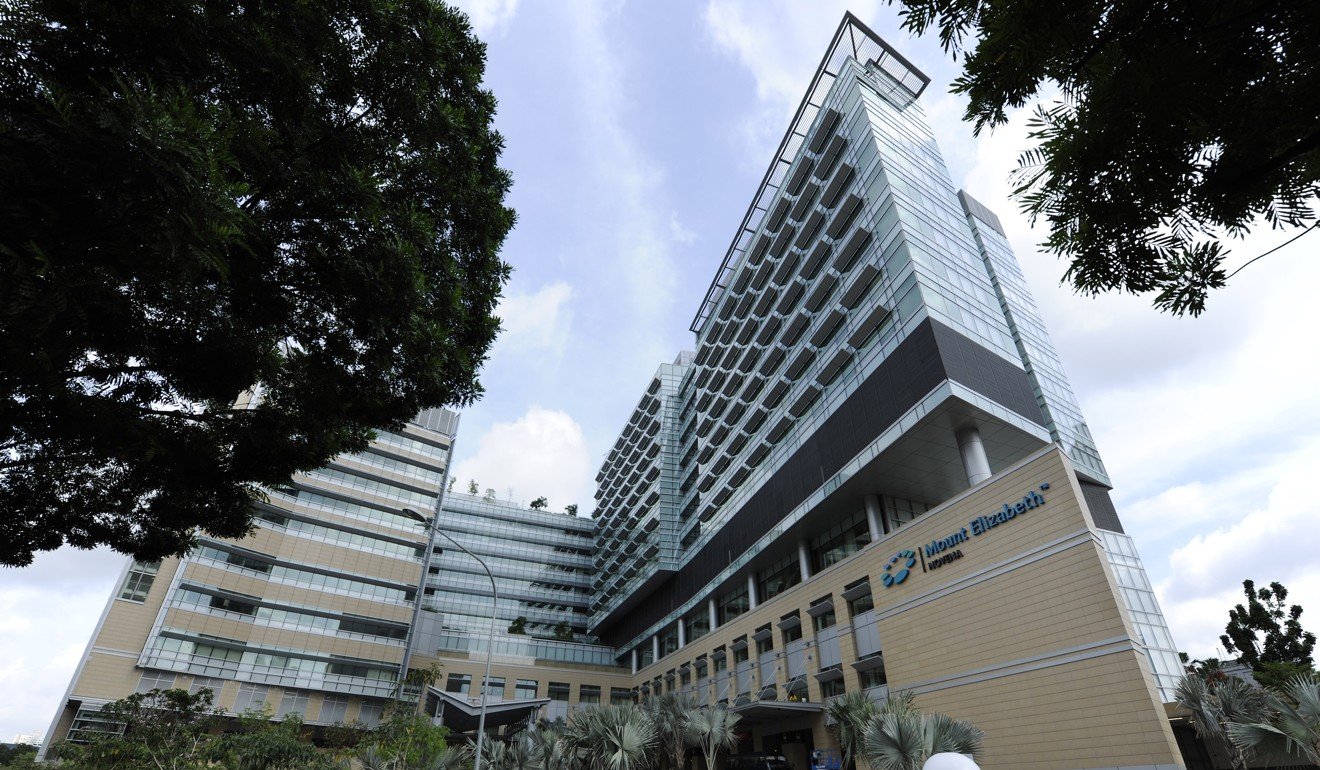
295, 595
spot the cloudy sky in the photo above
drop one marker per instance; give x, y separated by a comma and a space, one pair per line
636, 134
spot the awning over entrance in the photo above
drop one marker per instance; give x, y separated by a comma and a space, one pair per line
771, 710
461, 714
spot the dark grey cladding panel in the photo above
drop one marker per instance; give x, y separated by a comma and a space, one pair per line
931, 354
1102, 507
975, 208
983, 371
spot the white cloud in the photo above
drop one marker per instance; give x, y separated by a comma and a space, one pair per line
47, 614
539, 321
489, 17
541, 453
1264, 532
780, 43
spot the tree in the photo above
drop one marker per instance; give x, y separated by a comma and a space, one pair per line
452, 481
262, 744
490, 494
160, 729
472, 487
1284, 642
234, 240
849, 714
563, 632
1179, 123
903, 739
20, 755
539, 503
1215, 702
713, 731
1292, 728
671, 713
406, 740
612, 737
518, 626
571, 509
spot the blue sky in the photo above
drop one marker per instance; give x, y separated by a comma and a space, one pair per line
636, 134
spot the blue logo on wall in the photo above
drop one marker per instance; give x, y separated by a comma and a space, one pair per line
893, 577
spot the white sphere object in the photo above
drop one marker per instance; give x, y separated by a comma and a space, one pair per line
949, 761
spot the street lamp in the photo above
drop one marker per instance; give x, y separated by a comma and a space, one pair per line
494, 609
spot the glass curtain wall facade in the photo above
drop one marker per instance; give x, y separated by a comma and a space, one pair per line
858, 263
309, 613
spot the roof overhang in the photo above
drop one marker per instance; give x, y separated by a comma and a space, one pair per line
462, 714
771, 710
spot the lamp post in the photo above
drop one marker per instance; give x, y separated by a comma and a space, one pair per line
490, 642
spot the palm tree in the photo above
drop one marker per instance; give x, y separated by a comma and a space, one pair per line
848, 716
612, 737
670, 713
902, 738
549, 749
712, 730
1292, 728
1214, 703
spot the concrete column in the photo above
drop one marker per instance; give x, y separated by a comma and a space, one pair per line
804, 560
875, 517
655, 647
634, 660
713, 611
974, 460
751, 590
682, 634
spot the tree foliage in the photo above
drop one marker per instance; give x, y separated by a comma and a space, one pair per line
1267, 631
539, 503
1214, 701
160, 729
200, 200
1179, 124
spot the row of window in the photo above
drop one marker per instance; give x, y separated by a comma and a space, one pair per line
528, 689
303, 577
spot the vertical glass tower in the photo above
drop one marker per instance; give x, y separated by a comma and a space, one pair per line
868, 335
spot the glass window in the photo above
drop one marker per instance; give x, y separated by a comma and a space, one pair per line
525, 689
588, 694
645, 655
823, 621
700, 666
495, 687
458, 683
831, 688
793, 633
859, 605
873, 678
697, 625
138, 582
558, 691
251, 697
740, 655
781, 576
293, 702
721, 663
841, 541
155, 680
765, 645
369, 713
731, 605
669, 641
200, 683
333, 709
620, 696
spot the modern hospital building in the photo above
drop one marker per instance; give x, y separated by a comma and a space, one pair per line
870, 474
